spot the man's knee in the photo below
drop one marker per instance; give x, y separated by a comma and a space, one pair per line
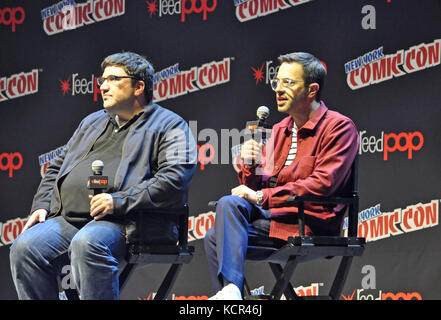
83, 246
232, 207
230, 201
210, 239
19, 249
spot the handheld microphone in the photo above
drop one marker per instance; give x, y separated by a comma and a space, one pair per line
260, 128
262, 113
97, 182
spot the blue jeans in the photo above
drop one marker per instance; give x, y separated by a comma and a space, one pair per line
39, 254
226, 244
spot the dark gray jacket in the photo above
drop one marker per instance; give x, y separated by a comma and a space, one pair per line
158, 161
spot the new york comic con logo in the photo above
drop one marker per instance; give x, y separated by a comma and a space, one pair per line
375, 224
67, 15
181, 7
375, 66
18, 85
172, 82
253, 9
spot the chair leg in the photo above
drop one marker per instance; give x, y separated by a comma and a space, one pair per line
71, 294
277, 271
289, 290
246, 289
340, 278
125, 275
168, 282
284, 278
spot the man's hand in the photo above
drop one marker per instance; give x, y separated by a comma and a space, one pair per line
251, 152
101, 205
244, 192
36, 216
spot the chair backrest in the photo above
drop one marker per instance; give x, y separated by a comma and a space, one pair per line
353, 206
183, 227
351, 186
348, 197
182, 222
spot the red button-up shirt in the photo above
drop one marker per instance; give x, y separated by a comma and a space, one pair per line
326, 148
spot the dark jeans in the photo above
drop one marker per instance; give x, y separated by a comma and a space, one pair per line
39, 254
226, 243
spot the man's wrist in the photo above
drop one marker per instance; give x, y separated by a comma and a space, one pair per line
259, 197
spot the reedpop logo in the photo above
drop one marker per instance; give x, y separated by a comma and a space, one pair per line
80, 86
268, 71
11, 162
12, 16
181, 7
369, 289
387, 143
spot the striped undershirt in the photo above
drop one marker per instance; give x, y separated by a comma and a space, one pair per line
290, 158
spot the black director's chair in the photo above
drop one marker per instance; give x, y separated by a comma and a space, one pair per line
139, 254
303, 248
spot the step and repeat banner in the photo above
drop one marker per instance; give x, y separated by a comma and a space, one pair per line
214, 60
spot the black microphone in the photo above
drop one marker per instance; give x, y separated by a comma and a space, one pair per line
262, 113
97, 182
260, 129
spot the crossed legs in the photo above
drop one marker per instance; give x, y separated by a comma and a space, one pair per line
226, 243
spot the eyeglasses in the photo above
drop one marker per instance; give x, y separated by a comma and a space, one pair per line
286, 83
111, 78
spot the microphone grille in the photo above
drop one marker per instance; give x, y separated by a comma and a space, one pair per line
263, 112
97, 165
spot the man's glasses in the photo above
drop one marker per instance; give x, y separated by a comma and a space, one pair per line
286, 83
100, 80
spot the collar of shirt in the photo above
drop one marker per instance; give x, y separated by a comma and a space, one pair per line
310, 125
120, 122
115, 119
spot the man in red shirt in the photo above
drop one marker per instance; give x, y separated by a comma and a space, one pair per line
310, 152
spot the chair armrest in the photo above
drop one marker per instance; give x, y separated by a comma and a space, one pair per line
300, 200
320, 199
172, 211
182, 214
212, 205
351, 201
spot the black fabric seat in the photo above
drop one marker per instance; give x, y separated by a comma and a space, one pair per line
141, 254
284, 260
